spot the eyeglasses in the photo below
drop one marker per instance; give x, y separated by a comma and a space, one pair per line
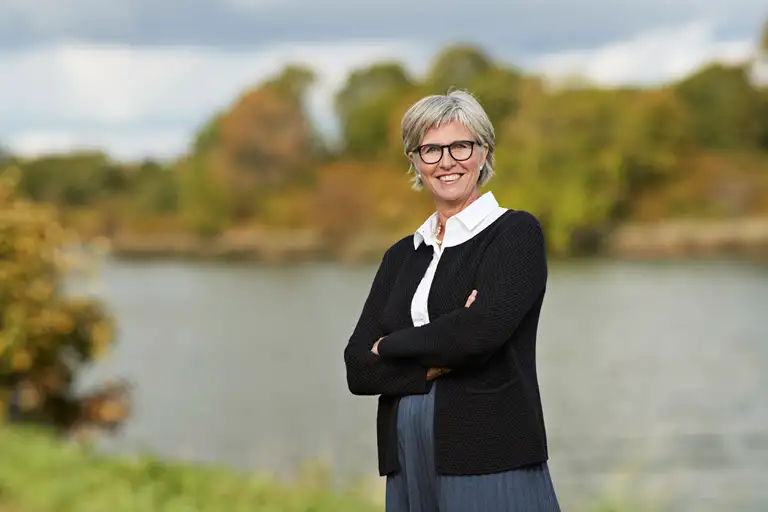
459, 150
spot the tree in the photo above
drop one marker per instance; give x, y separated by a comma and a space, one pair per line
265, 142
761, 79
154, 191
457, 67
364, 105
575, 157
79, 178
350, 198
498, 89
205, 203
207, 137
293, 81
47, 336
722, 103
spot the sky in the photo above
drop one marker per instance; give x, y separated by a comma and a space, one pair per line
137, 78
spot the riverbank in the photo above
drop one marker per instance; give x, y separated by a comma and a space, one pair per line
673, 238
666, 239
250, 245
41, 474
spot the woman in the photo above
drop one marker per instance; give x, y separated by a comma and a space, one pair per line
447, 335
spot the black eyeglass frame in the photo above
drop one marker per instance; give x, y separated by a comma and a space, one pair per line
443, 147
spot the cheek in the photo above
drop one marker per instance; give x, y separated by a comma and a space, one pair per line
472, 165
426, 170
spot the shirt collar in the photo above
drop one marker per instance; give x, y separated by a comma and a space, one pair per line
470, 217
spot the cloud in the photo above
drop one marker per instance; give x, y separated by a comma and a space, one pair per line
512, 25
139, 101
121, 144
29, 20
125, 97
660, 55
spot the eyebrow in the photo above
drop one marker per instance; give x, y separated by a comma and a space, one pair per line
425, 143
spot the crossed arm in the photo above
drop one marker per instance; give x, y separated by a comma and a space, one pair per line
432, 373
511, 278
367, 373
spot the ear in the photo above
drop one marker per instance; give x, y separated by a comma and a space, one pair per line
483, 157
413, 160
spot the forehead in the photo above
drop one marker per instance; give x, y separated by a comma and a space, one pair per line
447, 133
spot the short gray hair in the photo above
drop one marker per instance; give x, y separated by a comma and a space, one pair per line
434, 111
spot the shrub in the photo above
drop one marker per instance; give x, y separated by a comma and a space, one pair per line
46, 336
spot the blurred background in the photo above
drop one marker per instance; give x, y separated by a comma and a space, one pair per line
194, 198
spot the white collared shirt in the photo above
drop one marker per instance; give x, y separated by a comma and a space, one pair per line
458, 229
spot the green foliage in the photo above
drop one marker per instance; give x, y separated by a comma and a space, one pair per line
498, 89
46, 337
580, 157
204, 204
366, 128
294, 81
458, 67
365, 84
364, 106
72, 180
207, 137
722, 103
40, 474
573, 157
154, 189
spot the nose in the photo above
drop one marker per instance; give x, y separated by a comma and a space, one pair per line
446, 160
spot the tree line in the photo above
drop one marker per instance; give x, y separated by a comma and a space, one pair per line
581, 157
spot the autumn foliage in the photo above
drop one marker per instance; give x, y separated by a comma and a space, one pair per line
583, 158
46, 336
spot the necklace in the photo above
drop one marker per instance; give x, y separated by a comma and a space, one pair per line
437, 233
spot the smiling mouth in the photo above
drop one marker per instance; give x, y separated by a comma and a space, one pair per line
450, 178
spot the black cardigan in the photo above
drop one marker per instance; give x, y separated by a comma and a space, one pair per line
488, 414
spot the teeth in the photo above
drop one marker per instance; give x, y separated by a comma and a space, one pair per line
449, 178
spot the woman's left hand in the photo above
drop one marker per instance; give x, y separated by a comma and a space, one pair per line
375, 348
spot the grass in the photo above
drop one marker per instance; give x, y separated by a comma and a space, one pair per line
39, 473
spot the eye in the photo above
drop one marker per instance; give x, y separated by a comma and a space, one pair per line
461, 145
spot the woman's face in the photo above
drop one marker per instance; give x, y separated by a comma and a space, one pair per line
449, 173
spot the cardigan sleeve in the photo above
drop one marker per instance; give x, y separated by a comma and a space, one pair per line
367, 373
511, 277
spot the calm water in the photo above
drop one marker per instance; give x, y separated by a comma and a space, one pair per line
654, 376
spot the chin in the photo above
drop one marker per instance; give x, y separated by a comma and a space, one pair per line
451, 197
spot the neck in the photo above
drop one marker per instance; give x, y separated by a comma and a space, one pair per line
447, 209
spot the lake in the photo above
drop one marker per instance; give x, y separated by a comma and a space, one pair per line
654, 376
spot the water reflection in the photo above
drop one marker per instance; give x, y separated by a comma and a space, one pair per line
654, 371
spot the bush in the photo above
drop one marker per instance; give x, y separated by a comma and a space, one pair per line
46, 337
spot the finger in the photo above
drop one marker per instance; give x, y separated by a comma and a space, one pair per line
471, 298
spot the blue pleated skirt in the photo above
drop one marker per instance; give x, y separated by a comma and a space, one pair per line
418, 488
